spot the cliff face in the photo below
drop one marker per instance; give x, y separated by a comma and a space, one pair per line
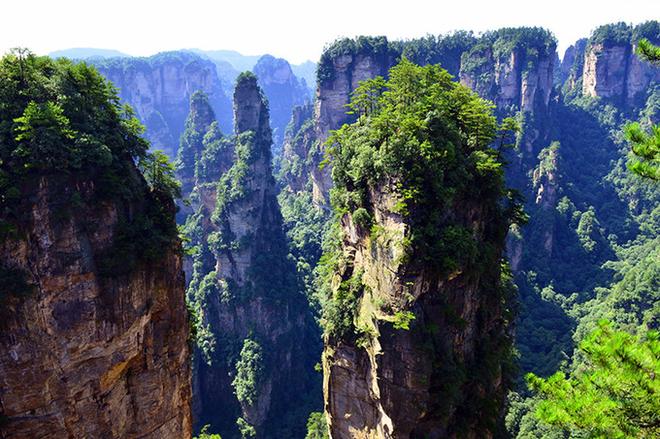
159, 90
252, 309
298, 151
86, 354
283, 90
513, 69
415, 334
612, 70
94, 327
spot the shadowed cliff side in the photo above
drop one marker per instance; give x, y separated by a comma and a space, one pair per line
94, 332
257, 339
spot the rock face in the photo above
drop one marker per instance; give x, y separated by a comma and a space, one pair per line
572, 66
159, 90
283, 90
298, 151
518, 77
612, 70
87, 354
415, 338
255, 317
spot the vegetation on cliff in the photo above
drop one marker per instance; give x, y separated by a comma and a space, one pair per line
430, 138
63, 119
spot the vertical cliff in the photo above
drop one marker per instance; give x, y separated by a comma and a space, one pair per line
159, 90
94, 332
283, 90
512, 67
612, 70
256, 337
415, 311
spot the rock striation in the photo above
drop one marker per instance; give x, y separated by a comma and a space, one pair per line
257, 341
159, 90
87, 353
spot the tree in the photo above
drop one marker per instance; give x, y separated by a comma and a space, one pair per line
615, 395
645, 146
204, 434
317, 426
159, 173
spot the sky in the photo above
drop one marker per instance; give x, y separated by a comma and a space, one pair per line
293, 29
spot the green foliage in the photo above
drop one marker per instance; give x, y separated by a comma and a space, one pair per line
377, 47
646, 150
648, 51
247, 431
317, 426
204, 433
159, 173
612, 34
249, 372
233, 184
402, 320
64, 120
617, 394
432, 138
60, 116
340, 307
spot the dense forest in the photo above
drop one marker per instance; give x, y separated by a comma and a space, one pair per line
454, 236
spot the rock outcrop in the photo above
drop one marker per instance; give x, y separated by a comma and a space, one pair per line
415, 336
93, 322
611, 68
512, 69
283, 90
87, 355
258, 330
159, 90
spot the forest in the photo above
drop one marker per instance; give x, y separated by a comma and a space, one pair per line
451, 236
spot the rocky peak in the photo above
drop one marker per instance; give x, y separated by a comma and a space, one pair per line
513, 67
244, 286
572, 66
201, 114
612, 70
251, 108
271, 70
284, 91
94, 336
159, 89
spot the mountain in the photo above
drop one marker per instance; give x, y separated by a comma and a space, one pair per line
589, 218
94, 339
415, 305
283, 90
87, 53
159, 87
257, 340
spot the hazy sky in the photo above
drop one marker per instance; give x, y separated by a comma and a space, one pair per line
293, 29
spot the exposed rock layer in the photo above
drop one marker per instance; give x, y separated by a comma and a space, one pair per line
88, 355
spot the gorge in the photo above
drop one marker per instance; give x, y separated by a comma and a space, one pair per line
356, 264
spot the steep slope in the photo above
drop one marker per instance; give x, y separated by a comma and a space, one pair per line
94, 337
568, 163
257, 340
159, 89
283, 90
612, 70
415, 311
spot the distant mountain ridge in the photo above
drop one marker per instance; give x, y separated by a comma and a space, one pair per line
87, 52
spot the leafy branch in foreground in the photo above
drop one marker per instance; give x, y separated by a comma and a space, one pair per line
645, 146
617, 395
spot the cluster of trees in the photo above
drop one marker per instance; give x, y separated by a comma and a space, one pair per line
63, 119
610, 389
